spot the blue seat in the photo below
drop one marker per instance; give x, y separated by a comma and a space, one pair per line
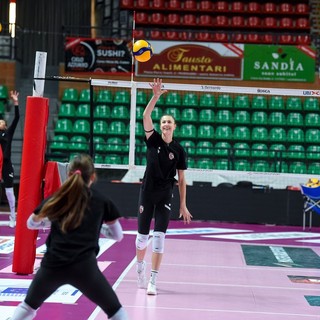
311, 197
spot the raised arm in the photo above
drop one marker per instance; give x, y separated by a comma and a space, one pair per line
147, 120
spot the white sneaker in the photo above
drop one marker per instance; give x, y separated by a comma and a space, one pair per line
142, 280
152, 289
12, 223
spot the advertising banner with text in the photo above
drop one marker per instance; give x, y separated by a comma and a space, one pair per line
279, 63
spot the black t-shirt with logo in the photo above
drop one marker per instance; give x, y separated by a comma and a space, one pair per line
163, 161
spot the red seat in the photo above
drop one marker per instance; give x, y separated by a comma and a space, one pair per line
126, 4
156, 35
174, 4
206, 5
270, 22
254, 22
220, 37
190, 5
157, 18
267, 38
238, 38
302, 23
138, 34
303, 39
269, 7
221, 6
189, 19
286, 22
173, 18
286, 8
237, 21
302, 8
204, 36
158, 4
254, 7
142, 4
222, 21
205, 20
237, 6
286, 39
172, 35
189, 36
142, 17
253, 38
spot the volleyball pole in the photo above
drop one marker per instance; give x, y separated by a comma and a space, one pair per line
32, 170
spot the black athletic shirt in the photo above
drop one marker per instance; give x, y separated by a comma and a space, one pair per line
82, 242
163, 161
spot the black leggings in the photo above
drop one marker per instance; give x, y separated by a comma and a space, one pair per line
157, 203
7, 174
84, 275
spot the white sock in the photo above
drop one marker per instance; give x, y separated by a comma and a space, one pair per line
140, 266
153, 277
12, 202
24, 312
121, 314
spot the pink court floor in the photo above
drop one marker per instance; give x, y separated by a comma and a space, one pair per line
210, 270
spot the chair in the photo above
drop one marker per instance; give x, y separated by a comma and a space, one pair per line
142, 17
100, 127
205, 164
67, 110
276, 103
220, 37
173, 99
298, 167
259, 118
114, 145
157, 18
277, 119
311, 104
70, 95
83, 110
2, 108
139, 34
303, 39
120, 112
99, 144
84, 96
260, 166
254, 22
294, 104
139, 112
59, 143
237, 22
143, 4
313, 135
121, 97
277, 150
277, 135
221, 6
224, 116
139, 129
279, 166
241, 117
98, 158
311, 203
156, 35
241, 150
206, 116
117, 128
173, 19
259, 150
205, 148
313, 152
205, 5
286, 39
102, 111
158, 4
295, 119
189, 115
302, 23
302, 8
295, 135
314, 168
174, 112
190, 100
203, 36
189, 147
222, 164
296, 151
312, 120
188, 131
205, 20
222, 149
270, 22
241, 133
259, 134
237, 6
104, 96
189, 19
225, 101
223, 133
253, 38
221, 21
81, 127
268, 38
113, 159
259, 102
63, 126
286, 23
241, 102
205, 131
242, 165
207, 100
254, 7
141, 98
269, 7
78, 144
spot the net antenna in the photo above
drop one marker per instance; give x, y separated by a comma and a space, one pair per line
133, 32
39, 72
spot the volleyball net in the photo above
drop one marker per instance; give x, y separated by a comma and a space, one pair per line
269, 136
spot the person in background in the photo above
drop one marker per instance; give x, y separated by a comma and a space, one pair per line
6, 136
165, 158
77, 213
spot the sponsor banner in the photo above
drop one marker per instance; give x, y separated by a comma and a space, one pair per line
279, 63
305, 279
174, 59
6, 244
97, 55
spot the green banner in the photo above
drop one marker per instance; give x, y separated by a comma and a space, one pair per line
279, 63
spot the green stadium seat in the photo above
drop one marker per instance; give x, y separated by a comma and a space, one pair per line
2, 108
259, 150
311, 104
191, 163
241, 150
312, 119
277, 150
293, 104
113, 159
114, 145
139, 112
295, 119
296, 151
206, 116
98, 158
241, 133
60, 143
78, 144
222, 149
156, 126
141, 98
73, 155
259, 134
241, 117
314, 168
188, 131
83, 110
125, 147
99, 145
190, 100
276, 103
260, 166
173, 99
117, 128
205, 163
139, 131
175, 112
67, 110
222, 164
313, 152
121, 97
4, 92
120, 112
81, 126
189, 115
277, 119
224, 116
100, 127
279, 166
157, 113
224, 133
70, 95
241, 102
298, 167
102, 111
224, 101
63, 126
277, 135
313, 136
205, 131
207, 100
189, 147
140, 146
204, 148
104, 96
125, 159
259, 118
295, 135
84, 96
259, 102
242, 165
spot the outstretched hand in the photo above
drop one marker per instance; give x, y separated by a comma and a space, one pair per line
186, 215
14, 96
157, 87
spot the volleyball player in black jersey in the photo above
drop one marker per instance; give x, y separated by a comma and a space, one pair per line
6, 136
165, 158
76, 213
